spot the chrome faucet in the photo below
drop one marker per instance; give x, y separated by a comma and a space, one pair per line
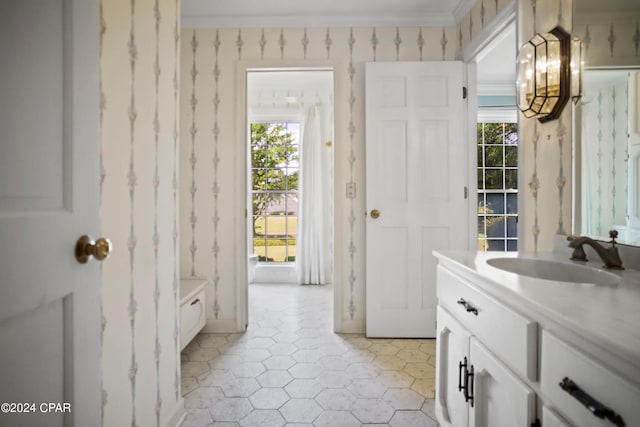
608, 255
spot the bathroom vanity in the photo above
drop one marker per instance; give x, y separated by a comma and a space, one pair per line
517, 350
192, 308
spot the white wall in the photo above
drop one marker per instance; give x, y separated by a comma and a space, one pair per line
140, 358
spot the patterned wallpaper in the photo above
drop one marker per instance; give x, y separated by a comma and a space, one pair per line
545, 159
139, 50
208, 147
481, 14
610, 37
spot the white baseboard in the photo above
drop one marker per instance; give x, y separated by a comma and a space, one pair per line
220, 326
353, 326
179, 414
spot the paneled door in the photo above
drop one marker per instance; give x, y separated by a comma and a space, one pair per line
416, 173
49, 197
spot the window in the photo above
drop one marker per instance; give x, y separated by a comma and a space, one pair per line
497, 186
274, 189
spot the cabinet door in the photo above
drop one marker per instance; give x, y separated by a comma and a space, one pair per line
452, 346
501, 399
551, 419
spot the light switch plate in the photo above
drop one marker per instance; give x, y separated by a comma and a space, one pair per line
351, 190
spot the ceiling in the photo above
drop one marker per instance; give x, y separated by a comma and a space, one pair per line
325, 13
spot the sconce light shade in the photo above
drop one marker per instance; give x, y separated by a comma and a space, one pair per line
577, 68
543, 75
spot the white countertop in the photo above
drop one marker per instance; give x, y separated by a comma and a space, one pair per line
190, 286
607, 316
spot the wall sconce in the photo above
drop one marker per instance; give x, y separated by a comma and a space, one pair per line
547, 76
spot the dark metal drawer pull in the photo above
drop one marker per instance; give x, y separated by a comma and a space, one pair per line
468, 307
595, 407
195, 301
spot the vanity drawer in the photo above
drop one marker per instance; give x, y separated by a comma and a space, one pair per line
551, 419
506, 333
192, 309
597, 383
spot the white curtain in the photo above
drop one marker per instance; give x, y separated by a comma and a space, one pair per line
314, 237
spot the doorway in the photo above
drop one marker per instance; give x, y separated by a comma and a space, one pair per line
289, 166
498, 153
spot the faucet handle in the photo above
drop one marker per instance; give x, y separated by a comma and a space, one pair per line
613, 234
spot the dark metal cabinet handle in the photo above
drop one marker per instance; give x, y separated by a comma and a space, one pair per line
195, 301
462, 366
465, 381
468, 307
595, 407
468, 395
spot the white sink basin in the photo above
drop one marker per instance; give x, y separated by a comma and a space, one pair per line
553, 270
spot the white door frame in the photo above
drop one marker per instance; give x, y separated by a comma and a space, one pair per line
470, 55
241, 194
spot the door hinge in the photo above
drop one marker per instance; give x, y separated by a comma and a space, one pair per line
466, 192
464, 92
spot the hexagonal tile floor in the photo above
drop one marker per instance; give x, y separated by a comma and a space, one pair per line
290, 368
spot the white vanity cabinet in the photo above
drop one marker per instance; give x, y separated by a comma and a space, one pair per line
516, 351
452, 348
192, 308
474, 386
588, 388
551, 419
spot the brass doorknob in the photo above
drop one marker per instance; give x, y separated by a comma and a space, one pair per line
86, 248
375, 214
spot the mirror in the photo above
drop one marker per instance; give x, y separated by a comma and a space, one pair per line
607, 121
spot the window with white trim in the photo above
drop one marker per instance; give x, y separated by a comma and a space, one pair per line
275, 172
497, 185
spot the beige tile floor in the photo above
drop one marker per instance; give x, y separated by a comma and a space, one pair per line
289, 368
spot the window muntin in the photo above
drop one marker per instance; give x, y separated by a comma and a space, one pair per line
497, 186
274, 189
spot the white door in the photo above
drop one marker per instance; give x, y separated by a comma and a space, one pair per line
49, 197
416, 173
452, 348
500, 398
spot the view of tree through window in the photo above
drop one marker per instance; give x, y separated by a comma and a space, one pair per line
497, 186
274, 190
